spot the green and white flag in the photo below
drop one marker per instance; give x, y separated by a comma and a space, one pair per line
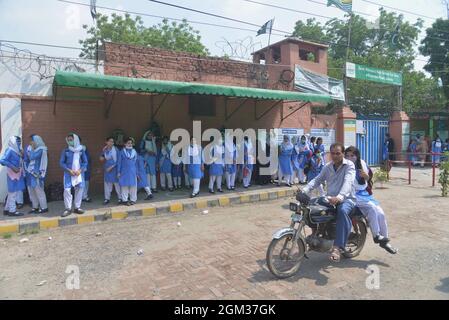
266, 28
345, 5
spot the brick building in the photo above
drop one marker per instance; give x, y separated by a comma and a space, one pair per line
95, 113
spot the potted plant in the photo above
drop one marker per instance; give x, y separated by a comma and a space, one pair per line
380, 176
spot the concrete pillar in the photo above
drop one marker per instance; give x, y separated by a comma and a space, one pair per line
346, 126
399, 130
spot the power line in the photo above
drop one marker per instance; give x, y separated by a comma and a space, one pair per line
213, 15
400, 10
162, 17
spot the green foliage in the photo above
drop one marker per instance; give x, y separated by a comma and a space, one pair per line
381, 176
444, 175
7, 236
165, 35
436, 46
378, 48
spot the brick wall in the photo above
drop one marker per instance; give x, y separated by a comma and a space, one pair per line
154, 63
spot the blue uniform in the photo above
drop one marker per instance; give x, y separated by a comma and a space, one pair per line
142, 181
165, 164
322, 151
437, 147
217, 168
230, 168
87, 173
285, 158
316, 164
31, 180
110, 177
149, 159
66, 161
177, 171
194, 167
127, 168
12, 160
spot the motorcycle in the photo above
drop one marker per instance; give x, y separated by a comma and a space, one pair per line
289, 246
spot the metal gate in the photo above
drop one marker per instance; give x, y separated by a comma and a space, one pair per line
370, 142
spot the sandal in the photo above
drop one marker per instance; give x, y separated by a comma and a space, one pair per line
335, 255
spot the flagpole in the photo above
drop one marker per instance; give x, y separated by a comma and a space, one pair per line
347, 57
269, 35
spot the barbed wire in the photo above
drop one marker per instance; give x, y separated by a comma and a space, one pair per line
40, 65
238, 49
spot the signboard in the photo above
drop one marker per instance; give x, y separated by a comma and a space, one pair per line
349, 133
328, 136
359, 127
291, 132
306, 81
358, 71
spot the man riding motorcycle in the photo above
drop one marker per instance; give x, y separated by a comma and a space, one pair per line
339, 175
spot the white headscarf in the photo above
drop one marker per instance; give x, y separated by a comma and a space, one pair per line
113, 155
40, 145
76, 149
14, 146
149, 145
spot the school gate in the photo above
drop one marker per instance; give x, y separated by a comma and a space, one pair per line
370, 139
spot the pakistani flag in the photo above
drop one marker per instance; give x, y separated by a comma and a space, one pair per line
266, 28
345, 5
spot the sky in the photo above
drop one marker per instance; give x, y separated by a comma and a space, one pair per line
55, 22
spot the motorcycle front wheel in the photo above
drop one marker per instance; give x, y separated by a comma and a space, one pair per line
284, 256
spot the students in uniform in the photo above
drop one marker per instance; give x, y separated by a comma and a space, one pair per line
177, 173
165, 165
109, 158
216, 168
36, 162
230, 162
437, 147
194, 166
142, 180
248, 162
73, 161
87, 174
285, 170
127, 172
316, 164
148, 144
13, 160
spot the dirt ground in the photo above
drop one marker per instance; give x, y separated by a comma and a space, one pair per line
221, 255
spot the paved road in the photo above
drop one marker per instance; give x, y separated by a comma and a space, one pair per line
221, 255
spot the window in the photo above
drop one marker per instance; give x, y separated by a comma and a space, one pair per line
307, 55
201, 105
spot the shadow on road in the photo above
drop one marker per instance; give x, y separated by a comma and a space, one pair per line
444, 286
316, 268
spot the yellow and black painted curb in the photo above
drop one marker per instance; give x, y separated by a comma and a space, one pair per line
43, 223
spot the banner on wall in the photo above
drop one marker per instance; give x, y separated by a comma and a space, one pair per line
291, 132
306, 81
328, 136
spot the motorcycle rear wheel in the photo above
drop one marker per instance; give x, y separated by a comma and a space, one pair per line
356, 239
287, 261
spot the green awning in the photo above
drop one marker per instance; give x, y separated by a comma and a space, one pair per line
96, 81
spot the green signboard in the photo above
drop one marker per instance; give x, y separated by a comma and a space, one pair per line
358, 71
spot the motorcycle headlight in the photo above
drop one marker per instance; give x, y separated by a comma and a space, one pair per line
294, 207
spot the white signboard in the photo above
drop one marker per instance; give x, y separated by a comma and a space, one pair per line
328, 136
291, 132
349, 133
405, 135
359, 127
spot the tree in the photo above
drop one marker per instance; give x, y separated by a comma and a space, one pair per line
390, 46
165, 35
436, 46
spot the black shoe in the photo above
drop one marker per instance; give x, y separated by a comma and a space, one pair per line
149, 197
378, 239
5, 212
79, 211
211, 191
388, 247
19, 206
105, 202
34, 211
289, 185
66, 213
131, 203
87, 200
15, 214
220, 190
120, 201
232, 188
164, 189
43, 211
193, 195
246, 187
170, 189
128, 203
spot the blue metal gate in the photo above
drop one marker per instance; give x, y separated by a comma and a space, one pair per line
370, 143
